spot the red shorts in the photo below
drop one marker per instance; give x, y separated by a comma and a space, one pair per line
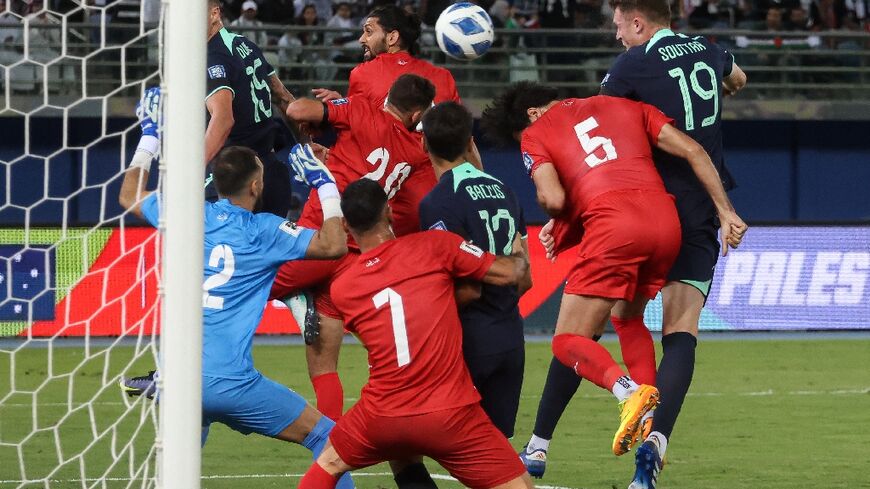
632, 238
463, 440
314, 275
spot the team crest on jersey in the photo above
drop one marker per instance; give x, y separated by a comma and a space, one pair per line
338, 101
290, 228
527, 160
471, 249
439, 225
217, 71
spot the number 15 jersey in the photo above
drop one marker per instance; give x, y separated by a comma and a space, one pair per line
398, 300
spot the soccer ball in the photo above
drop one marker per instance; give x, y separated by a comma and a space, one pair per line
464, 31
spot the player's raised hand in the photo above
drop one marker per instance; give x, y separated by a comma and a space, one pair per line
732, 230
148, 112
547, 240
325, 95
308, 167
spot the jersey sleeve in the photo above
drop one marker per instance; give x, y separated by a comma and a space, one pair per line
218, 75
725, 57
282, 240
342, 112
619, 81
151, 208
654, 119
534, 152
521, 218
435, 214
461, 258
267, 67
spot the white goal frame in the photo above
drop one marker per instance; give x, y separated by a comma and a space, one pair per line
179, 453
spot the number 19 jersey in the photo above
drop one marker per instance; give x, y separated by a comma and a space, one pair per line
398, 300
682, 77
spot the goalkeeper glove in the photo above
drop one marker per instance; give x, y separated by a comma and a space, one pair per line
308, 168
148, 112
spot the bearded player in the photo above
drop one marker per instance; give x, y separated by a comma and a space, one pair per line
398, 297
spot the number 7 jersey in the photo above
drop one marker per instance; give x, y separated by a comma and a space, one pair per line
398, 300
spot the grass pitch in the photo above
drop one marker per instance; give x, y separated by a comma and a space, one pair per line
761, 414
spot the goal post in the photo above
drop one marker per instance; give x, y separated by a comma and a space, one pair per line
182, 164
86, 291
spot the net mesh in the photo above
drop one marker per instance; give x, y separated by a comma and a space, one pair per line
78, 278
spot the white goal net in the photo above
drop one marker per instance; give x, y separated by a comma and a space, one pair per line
79, 279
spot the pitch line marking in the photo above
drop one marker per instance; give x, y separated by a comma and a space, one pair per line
768, 392
250, 476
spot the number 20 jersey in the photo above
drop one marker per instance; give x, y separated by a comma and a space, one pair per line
398, 300
682, 77
373, 144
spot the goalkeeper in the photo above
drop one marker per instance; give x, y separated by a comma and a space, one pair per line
243, 251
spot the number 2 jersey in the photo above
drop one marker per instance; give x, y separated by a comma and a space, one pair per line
398, 300
242, 254
682, 77
237, 64
373, 144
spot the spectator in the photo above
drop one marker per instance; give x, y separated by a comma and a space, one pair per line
10, 35
323, 8
247, 20
343, 20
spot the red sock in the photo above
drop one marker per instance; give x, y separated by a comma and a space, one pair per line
638, 351
317, 478
330, 395
589, 359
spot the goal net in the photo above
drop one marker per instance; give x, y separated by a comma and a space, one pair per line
80, 307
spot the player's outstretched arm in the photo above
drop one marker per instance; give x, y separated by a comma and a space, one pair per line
506, 270
550, 193
133, 187
679, 144
306, 110
280, 95
331, 240
734, 81
220, 107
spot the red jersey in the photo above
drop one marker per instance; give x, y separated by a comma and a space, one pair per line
372, 144
373, 79
398, 300
597, 145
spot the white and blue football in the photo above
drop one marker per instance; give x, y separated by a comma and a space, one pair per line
464, 31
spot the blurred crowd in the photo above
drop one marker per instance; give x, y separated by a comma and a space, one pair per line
327, 53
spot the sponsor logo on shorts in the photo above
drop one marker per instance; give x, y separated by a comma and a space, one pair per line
217, 71
290, 228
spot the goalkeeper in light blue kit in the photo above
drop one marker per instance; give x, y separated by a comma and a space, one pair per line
243, 251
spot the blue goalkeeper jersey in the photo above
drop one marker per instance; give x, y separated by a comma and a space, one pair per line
682, 77
242, 254
483, 210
